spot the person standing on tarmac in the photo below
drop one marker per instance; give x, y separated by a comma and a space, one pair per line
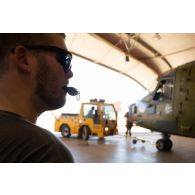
34, 73
129, 124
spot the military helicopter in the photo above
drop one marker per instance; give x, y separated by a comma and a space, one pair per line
170, 108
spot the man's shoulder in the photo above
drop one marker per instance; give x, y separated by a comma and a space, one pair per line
38, 144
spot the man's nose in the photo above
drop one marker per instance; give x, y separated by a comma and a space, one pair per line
69, 74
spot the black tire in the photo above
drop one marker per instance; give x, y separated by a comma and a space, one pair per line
85, 132
134, 141
65, 130
80, 134
164, 144
160, 144
169, 144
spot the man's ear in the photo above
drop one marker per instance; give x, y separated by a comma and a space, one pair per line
21, 57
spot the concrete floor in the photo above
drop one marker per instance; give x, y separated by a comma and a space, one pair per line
119, 149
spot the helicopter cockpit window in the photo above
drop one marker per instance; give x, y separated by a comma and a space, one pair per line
132, 109
164, 90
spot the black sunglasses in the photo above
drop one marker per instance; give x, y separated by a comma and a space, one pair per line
63, 57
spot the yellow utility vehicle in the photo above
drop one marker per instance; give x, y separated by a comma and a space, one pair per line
95, 118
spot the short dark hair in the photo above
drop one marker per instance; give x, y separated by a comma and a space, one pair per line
10, 40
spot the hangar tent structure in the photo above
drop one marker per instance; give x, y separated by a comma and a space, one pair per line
140, 56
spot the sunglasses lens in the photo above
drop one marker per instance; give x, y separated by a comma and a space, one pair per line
63, 57
65, 61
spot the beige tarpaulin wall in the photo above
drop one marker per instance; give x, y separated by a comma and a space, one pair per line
175, 48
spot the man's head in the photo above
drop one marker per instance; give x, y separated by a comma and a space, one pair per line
8, 41
38, 61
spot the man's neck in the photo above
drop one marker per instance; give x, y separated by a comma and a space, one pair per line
20, 108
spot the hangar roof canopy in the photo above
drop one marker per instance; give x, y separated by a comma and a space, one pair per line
140, 56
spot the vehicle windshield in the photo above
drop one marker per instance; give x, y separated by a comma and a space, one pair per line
108, 112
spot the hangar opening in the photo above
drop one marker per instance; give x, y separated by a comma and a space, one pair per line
138, 57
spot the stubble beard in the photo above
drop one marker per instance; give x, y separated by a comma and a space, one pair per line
46, 89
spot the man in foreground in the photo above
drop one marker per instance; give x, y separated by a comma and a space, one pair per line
34, 72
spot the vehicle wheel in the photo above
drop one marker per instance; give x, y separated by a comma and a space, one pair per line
80, 134
169, 144
164, 144
160, 144
134, 141
85, 133
65, 130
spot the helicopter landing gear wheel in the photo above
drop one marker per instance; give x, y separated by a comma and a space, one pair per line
164, 144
